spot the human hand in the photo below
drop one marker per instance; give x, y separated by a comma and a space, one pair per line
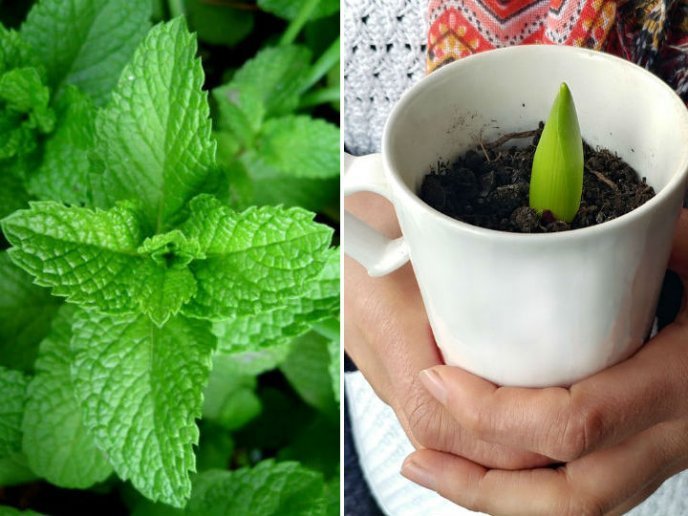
621, 432
388, 336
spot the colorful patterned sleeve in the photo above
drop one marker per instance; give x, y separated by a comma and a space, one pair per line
651, 33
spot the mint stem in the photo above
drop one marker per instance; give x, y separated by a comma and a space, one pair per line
321, 96
328, 60
297, 23
176, 8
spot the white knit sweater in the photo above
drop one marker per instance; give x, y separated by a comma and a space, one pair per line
384, 54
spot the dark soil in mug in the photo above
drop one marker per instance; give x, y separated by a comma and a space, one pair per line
488, 187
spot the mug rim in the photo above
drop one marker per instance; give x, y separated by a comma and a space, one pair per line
678, 179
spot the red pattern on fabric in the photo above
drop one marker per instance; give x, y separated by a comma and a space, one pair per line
462, 27
508, 9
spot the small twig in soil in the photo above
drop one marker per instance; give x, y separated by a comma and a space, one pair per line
510, 136
487, 156
604, 179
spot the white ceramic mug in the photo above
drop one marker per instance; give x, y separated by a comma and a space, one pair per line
529, 310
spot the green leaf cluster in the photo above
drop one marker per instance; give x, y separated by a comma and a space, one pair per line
65, 58
163, 269
266, 135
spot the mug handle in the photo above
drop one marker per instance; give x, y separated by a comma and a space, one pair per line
377, 253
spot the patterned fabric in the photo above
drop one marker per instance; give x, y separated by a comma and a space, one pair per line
654, 34
651, 33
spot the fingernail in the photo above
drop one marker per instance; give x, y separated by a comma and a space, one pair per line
433, 382
416, 473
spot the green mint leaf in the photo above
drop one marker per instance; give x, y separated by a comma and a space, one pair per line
241, 112
55, 441
307, 369
228, 147
165, 281
271, 186
269, 489
171, 250
219, 24
14, 52
17, 139
229, 398
25, 113
277, 327
154, 138
86, 42
289, 9
22, 91
254, 260
26, 311
164, 291
88, 256
64, 171
14, 470
12, 392
300, 146
275, 75
140, 388
236, 187
255, 362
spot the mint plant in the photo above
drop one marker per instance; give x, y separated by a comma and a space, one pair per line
161, 261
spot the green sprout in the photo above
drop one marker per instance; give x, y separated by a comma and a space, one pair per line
556, 181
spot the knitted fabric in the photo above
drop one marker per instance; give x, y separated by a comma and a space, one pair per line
384, 54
